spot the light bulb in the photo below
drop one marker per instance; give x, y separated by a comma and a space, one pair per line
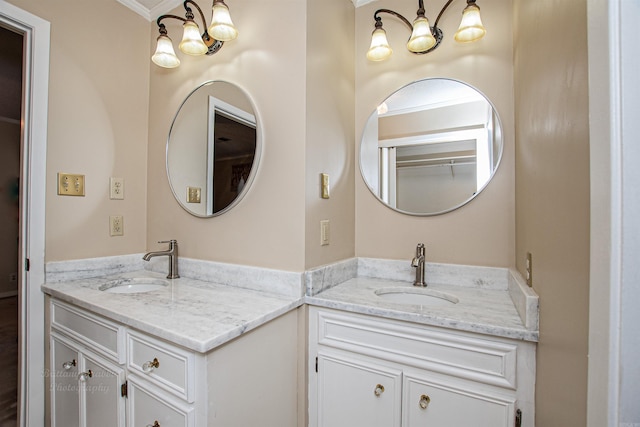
165, 56
221, 27
379, 49
192, 43
471, 28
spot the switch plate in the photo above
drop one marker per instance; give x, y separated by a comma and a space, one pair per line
193, 194
324, 232
70, 184
116, 188
324, 180
529, 270
116, 225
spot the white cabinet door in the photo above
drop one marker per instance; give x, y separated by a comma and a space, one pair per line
429, 402
101, 402
63, 373
354, 392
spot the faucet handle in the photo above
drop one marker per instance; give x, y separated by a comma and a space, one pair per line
174, 241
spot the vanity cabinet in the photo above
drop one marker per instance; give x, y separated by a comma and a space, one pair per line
106, 374
364, 370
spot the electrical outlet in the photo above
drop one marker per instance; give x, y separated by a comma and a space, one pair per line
116, 225
116, 188
324, 232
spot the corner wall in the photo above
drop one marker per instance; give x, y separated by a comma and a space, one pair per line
552, 196
481, 232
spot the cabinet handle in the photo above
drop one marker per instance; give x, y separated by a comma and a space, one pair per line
150, 366
155, 424
424, 401
378, 390
69, 364
85, 375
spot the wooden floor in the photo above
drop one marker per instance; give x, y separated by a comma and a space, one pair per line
8, 361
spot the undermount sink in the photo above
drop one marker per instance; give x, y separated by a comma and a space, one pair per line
133, 285
416, 296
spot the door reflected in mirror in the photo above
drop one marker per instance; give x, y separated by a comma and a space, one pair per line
213, 149
431, 147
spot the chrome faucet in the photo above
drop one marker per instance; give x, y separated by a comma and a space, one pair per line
418, 263
172, 253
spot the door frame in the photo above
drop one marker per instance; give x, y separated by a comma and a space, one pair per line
36, 33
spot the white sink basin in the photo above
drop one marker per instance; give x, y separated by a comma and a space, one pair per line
416, 296
133, 285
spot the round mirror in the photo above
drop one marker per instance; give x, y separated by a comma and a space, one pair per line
213, 149
431, 147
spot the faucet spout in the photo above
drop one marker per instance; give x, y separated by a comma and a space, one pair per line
418, 263
172, 253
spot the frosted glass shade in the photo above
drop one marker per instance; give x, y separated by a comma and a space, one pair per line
192, 43
379, 49
221, 27
165, 56
421, 37
471, 28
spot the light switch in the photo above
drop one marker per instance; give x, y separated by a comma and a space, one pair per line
324, 232
193, 194
70, 184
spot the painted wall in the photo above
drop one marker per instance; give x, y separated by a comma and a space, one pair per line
481, 232
552, 196
303, 99
98, 104
330, 128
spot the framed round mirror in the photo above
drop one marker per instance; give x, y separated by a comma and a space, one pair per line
431, 147
213, 149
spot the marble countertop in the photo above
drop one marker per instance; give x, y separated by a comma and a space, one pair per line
192, 313
480, 310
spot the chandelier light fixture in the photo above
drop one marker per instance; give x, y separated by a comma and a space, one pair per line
424, 37
193, 42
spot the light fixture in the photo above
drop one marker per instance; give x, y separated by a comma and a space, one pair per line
424, 37
193, 42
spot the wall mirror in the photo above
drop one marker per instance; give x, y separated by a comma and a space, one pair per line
431, 147
213, 149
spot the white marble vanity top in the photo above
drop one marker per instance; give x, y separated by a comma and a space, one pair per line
482, 310
192, 313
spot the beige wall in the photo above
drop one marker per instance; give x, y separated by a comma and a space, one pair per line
552, 196
266, 228
303, 99
482, 232
329, 135
98, 103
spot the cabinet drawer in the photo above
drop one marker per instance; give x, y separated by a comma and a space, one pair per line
147, 408
169, 367
90, 330
430, 402
457, 354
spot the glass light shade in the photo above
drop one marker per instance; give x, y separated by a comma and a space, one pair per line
221, 27
421, 37
379, 49
165, 56
192, 43
471, 28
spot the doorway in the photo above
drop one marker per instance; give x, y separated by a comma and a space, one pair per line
32, 35
10, 119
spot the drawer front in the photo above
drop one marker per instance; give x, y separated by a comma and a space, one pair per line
148, 408
429, 402
93, 331
169, 367
452, 353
